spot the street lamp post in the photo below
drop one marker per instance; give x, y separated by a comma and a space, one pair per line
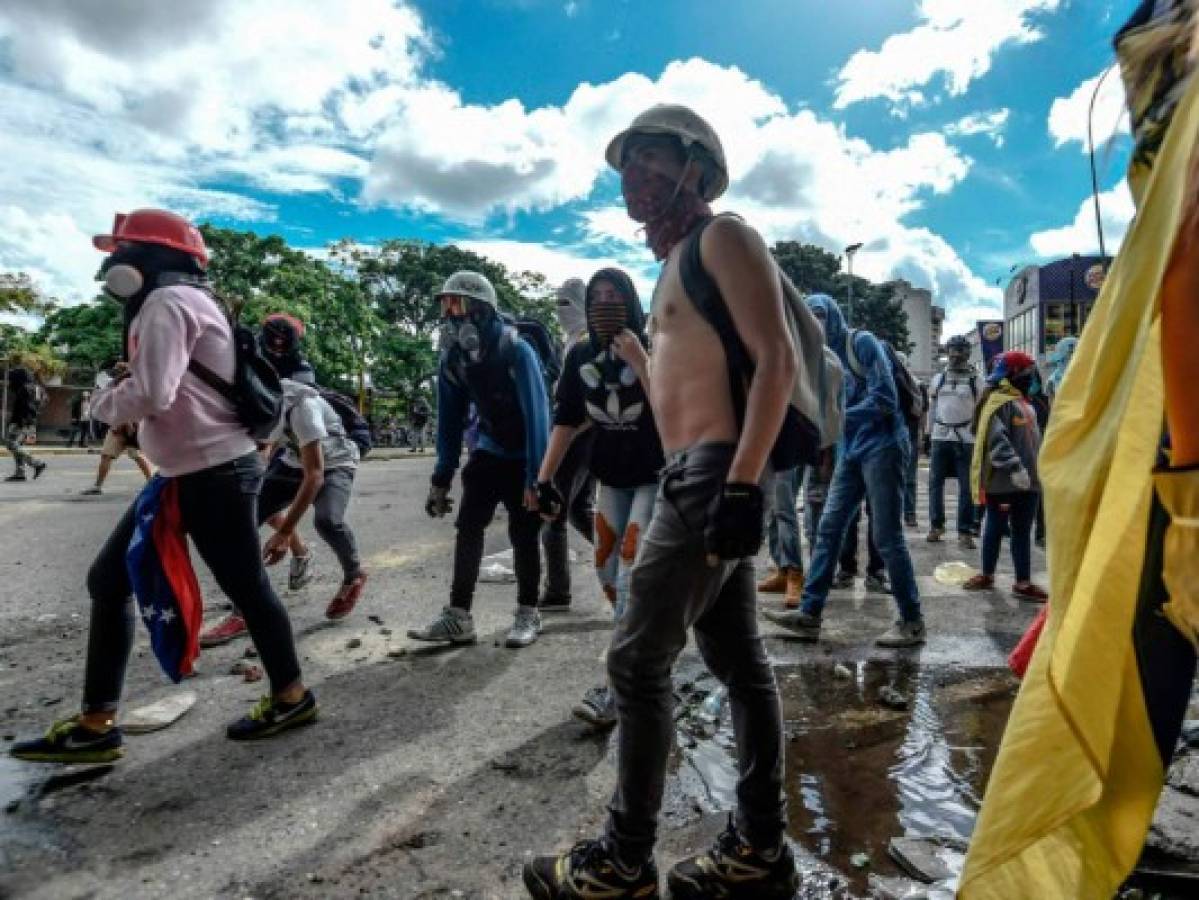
849, 254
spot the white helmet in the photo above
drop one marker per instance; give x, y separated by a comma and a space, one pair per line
469, 284
690, 128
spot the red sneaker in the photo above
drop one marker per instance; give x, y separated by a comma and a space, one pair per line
346, 598
230, 627
1026, 590
979, 582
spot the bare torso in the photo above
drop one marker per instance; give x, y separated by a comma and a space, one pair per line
689, 387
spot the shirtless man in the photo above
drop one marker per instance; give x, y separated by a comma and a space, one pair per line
695, 569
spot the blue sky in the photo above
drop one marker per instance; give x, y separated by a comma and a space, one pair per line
945, 135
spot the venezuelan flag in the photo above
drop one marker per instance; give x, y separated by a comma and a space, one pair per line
164, 582
1084, 755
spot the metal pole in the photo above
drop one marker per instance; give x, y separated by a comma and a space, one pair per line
849, 266
1091, 151
849, 253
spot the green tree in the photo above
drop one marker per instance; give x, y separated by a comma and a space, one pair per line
19, 347
261, 275
18, 294
816, 271
86, 336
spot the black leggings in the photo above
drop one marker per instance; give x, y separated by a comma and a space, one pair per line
219, 511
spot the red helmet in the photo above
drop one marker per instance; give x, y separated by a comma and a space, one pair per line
154, 226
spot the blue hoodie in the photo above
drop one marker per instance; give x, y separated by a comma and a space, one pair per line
453, 407
873, 421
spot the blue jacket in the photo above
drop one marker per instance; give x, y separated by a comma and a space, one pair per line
873, 421
453, 406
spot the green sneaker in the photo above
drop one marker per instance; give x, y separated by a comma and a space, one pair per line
270, 717
69, 742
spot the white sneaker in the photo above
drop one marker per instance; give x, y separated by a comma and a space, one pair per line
525, 627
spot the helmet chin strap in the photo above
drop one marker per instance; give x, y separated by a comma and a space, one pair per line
678, 188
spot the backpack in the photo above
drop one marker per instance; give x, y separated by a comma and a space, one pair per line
355, 426
913, 402
799, 438
548, 348
256, 393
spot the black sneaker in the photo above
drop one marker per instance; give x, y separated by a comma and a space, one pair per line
38, 468
735, 869
589, 871
69, 742
844, 580
16, 476
553, 602
270, 717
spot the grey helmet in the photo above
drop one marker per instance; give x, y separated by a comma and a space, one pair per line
469, 284
691, 129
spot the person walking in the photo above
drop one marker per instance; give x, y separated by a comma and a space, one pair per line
601, 392
487, 364
119, 439
81, 417
954, 395
695, 570
418, 421
871, 467
572, 479
209, 475
24, 402
1003, 473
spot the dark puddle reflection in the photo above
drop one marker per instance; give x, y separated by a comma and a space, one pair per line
859, 773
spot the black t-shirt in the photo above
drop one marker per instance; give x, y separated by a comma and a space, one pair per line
600, 388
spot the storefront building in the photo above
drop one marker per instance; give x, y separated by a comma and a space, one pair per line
1044, 304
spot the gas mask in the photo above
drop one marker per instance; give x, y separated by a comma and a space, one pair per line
123, 281
466, 331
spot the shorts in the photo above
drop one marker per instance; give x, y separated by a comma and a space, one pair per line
116, 443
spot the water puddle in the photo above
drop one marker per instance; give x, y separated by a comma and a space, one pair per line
860, 773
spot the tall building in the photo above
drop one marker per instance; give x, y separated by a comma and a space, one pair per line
925, 321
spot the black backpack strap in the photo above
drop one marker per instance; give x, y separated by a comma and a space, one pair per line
704, 294
213, 380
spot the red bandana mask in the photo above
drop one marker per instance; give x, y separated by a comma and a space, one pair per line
668, 211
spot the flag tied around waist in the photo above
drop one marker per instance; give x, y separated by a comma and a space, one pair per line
163, 580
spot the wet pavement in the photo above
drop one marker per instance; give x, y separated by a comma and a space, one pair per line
436, 773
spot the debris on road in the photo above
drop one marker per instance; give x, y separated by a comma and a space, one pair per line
159, 714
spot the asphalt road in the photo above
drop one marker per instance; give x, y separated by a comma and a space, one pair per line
429, 773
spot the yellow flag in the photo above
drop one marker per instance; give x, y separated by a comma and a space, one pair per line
1078, 774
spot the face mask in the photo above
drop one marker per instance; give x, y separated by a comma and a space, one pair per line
608, 319
648, 195
1022, 382
123, 281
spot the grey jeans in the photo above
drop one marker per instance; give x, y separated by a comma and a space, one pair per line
673, 589
279, 489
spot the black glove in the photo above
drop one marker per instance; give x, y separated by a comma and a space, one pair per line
736, 522
550, 501
440, 503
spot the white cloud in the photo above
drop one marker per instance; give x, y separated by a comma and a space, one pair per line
1080, 236
955, 40
100, 124
560, 262
991, 124
1068, 115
